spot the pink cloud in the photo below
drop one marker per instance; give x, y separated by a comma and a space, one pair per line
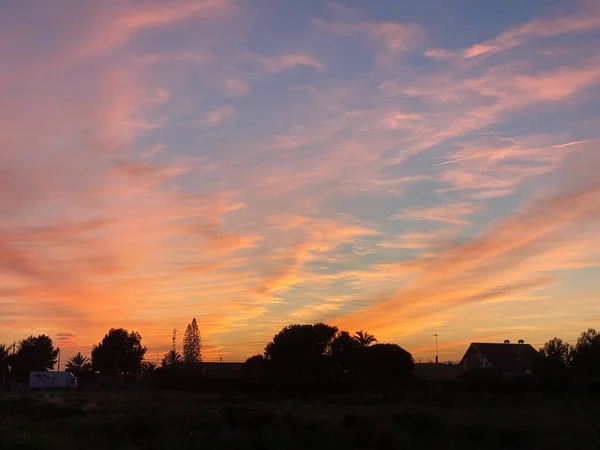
216, 116
113, 27
587, 18
455, 213
284, 62
236, 87
395, 37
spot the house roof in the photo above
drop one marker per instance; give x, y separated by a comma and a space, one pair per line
505, 357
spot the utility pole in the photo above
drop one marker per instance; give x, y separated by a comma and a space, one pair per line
58, 359
437, 351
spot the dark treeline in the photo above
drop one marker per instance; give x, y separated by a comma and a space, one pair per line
561, 359
119, 354
297, 352
321, 350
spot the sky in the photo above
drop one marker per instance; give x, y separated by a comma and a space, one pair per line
407, 168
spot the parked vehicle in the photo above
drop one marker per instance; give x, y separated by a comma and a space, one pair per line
52, 380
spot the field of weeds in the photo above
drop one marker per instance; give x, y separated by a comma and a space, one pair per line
150, 420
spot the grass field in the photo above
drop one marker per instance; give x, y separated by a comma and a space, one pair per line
163, 420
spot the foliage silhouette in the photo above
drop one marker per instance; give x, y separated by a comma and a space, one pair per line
364, 339
4, 352
256, 366
192, 345
79, 364
33, 354
300, 350
148, 367
119, 351
586, 354
556, 356
4, 363
344, 351
171, 357
388, 360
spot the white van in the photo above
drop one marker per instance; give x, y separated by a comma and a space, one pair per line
52, 380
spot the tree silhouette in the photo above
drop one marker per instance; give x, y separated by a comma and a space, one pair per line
556, 354
364, 339
171, 357
4, 354
192, 345
300, 349
344, 350
4, 359
255, 366
119, 351
79, 363
36, 353
388, 360
148, 367
586, 355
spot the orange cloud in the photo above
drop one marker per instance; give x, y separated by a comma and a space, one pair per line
501, 262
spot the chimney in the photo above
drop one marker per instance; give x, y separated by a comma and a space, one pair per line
507, 341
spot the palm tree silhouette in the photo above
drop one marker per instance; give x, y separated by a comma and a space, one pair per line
363, 338
171, 357
148, 366
3, 352
79, 363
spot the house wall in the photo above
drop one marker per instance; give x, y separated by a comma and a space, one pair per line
473, 361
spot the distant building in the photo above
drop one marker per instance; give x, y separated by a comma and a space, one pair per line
507, 359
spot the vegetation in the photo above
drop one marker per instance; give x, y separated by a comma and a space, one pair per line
119, 352
586, 354
582, 360
148, 367
299, 350
35, 353
171, 357
321, 350
364, 339
314, 387
192, 345
79, 364
256, 366
557, 356
4, 359
395, 420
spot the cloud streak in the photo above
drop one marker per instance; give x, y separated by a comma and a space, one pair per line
162, 163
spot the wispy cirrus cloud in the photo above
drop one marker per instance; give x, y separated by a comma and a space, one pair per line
163, 164
394, 36
583, 20
280, 63
551, 225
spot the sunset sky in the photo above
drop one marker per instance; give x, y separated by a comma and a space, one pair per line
403, 167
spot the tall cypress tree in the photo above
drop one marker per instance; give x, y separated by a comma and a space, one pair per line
192, 346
